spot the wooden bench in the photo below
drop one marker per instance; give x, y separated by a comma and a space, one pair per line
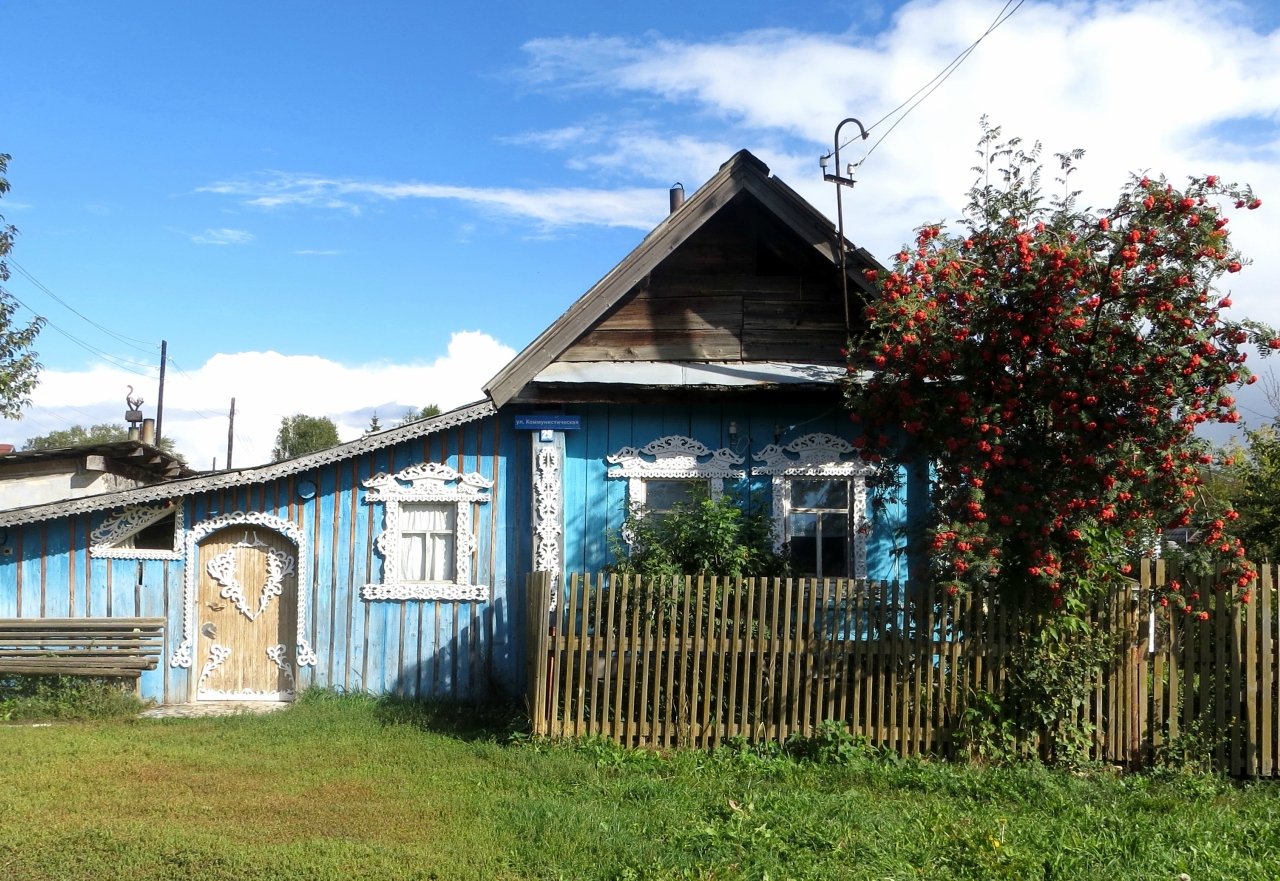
107, 647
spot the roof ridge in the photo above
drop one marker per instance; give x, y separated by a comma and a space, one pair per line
258, 474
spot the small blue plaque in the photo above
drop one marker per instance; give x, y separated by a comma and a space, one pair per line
548, 422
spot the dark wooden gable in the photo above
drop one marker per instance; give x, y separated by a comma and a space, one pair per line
743, 287
745, 271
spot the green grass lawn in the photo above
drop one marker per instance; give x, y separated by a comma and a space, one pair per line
353, 788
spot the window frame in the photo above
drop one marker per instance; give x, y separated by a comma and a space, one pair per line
673, 457
819, 456
819, 534
429, 482
104, 542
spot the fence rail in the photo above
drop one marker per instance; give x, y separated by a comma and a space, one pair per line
693, 662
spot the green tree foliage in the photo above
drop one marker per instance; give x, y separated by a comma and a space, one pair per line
19, 369
301, 434
704, 536
422, 413
375, 424
1252, 482
78, 436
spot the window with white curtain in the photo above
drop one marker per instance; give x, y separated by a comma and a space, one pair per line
427, 545
427, 541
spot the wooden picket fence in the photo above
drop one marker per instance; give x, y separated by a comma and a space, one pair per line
693, 662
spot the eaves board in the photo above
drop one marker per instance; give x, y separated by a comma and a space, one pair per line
193, 485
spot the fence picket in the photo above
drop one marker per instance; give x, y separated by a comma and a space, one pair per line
690, 663
1267, 662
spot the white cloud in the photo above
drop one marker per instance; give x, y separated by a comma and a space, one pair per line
551, 208
267, 386
1170, 86
221, 236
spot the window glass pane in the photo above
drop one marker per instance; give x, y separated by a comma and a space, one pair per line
804, 555
663, 495
413, 557
835, 555
426, 517
156, 537
804, 524
834, 524
441, 564
819, 494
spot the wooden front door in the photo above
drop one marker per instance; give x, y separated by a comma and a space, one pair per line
246, 615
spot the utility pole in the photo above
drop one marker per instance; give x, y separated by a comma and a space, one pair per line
164, 357
231, 432
841, 181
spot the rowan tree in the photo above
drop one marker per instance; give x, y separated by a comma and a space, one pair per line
1053, 363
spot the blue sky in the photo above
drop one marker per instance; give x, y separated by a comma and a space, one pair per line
331, 208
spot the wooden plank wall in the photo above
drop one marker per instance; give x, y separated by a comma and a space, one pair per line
416, 648
743, 287
595, 505
692, 663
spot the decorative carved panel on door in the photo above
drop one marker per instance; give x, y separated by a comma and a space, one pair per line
246, 611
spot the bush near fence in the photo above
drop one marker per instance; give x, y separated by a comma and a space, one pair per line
693, 662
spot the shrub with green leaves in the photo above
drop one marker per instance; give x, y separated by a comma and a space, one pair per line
706, 536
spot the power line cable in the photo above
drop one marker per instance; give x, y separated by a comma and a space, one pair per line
128, 341
102, 355
934, 84
175, 366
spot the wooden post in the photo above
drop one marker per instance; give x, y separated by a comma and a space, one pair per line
538, 645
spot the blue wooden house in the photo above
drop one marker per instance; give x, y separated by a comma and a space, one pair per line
710, 356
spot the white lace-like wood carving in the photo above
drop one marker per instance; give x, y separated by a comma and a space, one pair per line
222, 570
218, 655
426, 482
818, 455
129, 521
279, 655
547, 507
674, 457
181, 656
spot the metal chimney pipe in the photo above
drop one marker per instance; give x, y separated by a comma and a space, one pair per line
677, 196
149, 432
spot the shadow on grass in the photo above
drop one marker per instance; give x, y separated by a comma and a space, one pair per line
466, 721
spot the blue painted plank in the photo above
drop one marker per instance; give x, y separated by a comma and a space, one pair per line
422, 661
55, 599
406, 683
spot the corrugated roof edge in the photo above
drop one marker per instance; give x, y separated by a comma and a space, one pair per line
261, 474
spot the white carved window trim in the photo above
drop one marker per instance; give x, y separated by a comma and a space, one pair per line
548, 512
191, 574
426, 482
674, 457
818, 455
129, 521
